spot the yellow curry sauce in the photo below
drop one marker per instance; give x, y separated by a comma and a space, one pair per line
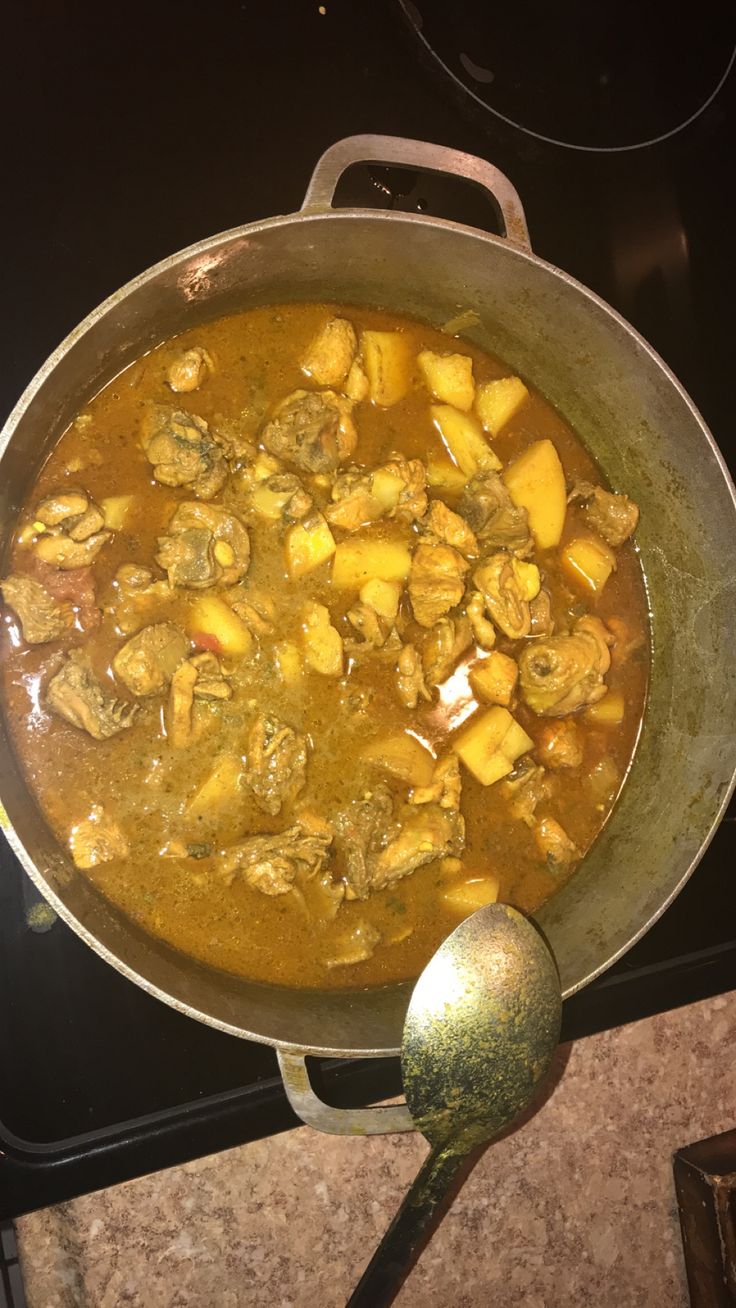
174, 871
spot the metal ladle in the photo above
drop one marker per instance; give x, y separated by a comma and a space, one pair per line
482, 1027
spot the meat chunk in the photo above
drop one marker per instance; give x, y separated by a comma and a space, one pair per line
276, 763
282, 498
540, 614
135, 597
555, 845
189, 370
481, 625
372, 628
73, 535
62, 507
205, 545
313, 430
443, 646
507, 585
41, 617
97, 839
183, 451
560, 745
211, 683
359, 829
61, 551
396, 489
436, 582
444, 788
354, 946
76, 695
412, 501
73, 585
613, 516
147, 662
272, 864
565, 673
199, 677
330, 355
498, 523
410, 683
451, 529
525, 788
422, 836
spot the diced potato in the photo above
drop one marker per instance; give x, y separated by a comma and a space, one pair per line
223, 630
469, 896
464, 439
490, 744
528, 577
403, 756
307, 545
494, 680
321, 642
449, 377
386, 488
443, 475
357, 387
498, 401
387, 361
608, 712
383, 597
536, 482
219, 788
366, 558
589, 563
115, 509
289, 662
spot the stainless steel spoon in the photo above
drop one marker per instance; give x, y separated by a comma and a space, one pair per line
480, 1033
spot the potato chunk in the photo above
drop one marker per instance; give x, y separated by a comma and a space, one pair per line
321, 642
307, 545
213, 625
536, 482
331, 353
388, 365
449, 377
468, 896
220, 786
383, 597
464, 440
444, 476
491, 743
608, 712
498, 401
589, 563
494, 680
366, 558
403, 756
115, 509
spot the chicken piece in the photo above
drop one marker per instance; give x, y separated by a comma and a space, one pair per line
481, 626
451, 529
282, 498
62, 507
272, 864
421, 837
445, 786
626, 640
330, 355
211, 682
205, 545
258, 612
136, 596
183, 451
88, 524
525, 788
360, 828
69, 516
276, 763
189, 370
560, 745
436, 582
180, 727
313, 430
410, 683
41, 617
565, 673
76, 695
354, 946
442, 647
505, 584
488, 509
353, 503
396, 489
372, 628
613, 516
60, 551
147, 662
540, 614
97, 839
73, 585
555, 845
412, 503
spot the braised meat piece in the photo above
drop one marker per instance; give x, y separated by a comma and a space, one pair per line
147, 662
183, 451
311, 429
410, 683
445, 788
330, 355
97, 839
560, 745
506, 585
418, 837
354, 946
451, 529
488, 509
525, 788
443, 646
189, 370
205, 545
76, 695
613, 516
41, 617
359, 829
73, 537
554, 844
276, 763
272, 864
396, 489
565, 673
436, 582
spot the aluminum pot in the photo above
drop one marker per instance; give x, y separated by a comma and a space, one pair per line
635, 419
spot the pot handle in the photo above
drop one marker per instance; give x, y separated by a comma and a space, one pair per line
381, 1120
424, 157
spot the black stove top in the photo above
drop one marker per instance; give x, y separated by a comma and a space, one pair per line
139, 129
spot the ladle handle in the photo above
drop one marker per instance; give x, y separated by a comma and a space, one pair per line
408, 1232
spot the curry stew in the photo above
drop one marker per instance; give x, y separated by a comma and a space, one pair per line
320, 632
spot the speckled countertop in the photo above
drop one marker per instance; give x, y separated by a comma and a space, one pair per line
575, 1208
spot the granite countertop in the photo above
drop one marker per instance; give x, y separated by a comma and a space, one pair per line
575, 1207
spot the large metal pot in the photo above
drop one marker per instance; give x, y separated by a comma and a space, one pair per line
634, 418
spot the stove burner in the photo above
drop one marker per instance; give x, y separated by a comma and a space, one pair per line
585, 76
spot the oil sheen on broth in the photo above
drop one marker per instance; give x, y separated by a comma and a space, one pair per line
390, 643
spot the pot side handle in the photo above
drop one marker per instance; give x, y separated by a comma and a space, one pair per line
424, 157
382, 1120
